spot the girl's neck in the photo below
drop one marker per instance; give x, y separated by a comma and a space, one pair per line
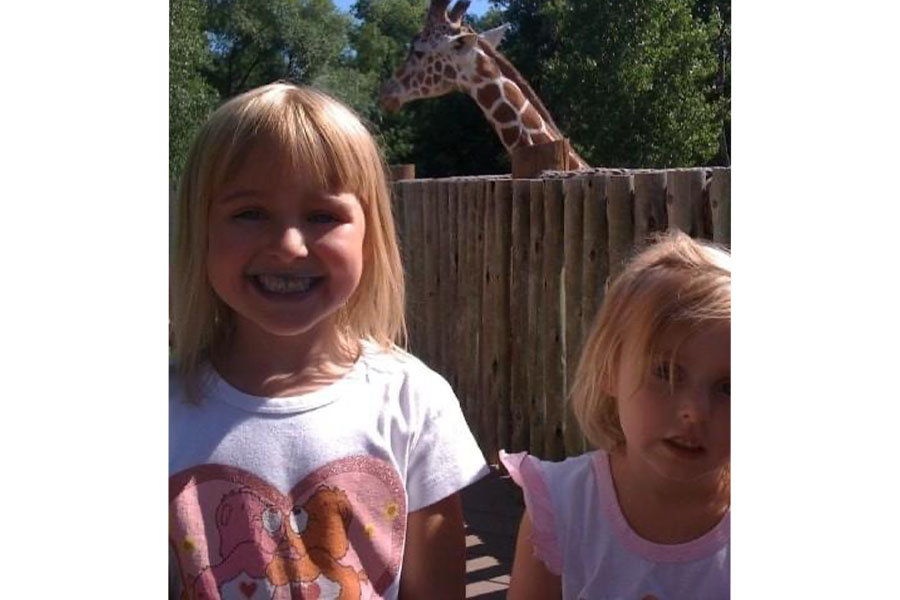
668, 512
271, 366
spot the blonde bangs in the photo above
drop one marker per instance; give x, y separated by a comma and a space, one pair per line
324, 142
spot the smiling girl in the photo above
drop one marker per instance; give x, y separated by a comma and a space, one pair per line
309, 456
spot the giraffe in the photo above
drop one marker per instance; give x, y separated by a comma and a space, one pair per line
448, 55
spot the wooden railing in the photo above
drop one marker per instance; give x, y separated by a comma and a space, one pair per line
505, 276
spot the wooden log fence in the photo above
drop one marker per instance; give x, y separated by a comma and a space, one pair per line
504, 277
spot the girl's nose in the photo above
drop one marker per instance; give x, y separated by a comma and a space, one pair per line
292, 243
694, 406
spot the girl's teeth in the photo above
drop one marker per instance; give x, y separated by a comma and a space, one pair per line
284, 284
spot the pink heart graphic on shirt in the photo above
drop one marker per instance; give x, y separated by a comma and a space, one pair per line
344, 522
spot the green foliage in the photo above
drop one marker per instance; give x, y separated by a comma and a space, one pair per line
630, 82
378, 42
383, 31
255, 42
190, 96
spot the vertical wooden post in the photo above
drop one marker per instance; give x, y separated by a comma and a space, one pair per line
472, 302
684, 201
444, 305
398, 213
500, 367
595, 250
486, 399
399, 192
649, 205
415, 265
554, 328
573, 209
454, 305
518, 315
720, 204
173, 216
478, 299
402, 172
620, 217
431, 274
536, 346
529, 161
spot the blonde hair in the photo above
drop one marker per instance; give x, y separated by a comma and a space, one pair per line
327, 141
675, 287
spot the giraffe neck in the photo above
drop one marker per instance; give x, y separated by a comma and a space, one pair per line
511, 106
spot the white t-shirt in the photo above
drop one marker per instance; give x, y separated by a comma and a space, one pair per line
309, 494
580, 533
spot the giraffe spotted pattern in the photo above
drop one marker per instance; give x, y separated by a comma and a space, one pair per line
448, 56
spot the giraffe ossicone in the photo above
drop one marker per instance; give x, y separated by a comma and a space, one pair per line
448, 56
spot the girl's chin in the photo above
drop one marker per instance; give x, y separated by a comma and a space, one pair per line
287, 329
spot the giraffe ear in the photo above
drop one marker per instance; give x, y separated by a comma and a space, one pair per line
495, 36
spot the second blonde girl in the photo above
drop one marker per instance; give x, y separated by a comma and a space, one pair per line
646, 515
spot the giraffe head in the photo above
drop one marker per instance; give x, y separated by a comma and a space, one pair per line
442, 57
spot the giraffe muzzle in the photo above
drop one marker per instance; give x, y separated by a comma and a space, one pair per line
388, 99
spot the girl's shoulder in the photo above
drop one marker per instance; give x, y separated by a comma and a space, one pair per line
398, 365
560, 476
553, 492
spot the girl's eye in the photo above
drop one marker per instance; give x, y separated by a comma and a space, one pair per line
322, 218
250, 214
724, 388
661, 371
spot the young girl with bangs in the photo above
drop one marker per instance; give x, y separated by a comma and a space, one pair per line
309, 457
645, 516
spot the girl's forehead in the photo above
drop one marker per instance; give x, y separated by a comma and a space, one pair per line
708, 343
664, 339
272, 165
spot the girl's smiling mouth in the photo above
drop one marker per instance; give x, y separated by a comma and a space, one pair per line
284, 284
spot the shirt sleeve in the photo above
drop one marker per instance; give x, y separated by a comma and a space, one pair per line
526, 471
444, 458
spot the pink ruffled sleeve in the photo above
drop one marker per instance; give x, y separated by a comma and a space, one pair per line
526, 471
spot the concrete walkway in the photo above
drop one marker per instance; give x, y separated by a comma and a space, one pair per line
492, 509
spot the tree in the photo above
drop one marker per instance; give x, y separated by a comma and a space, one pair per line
632, 83
255, 42
221, 48
717, 15
378, 43
190, 96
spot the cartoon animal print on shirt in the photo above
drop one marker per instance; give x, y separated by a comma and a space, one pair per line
337, 534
